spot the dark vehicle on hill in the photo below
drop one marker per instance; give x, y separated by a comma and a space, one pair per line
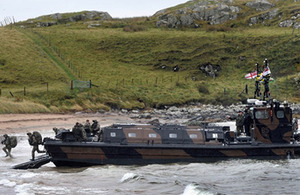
271, 137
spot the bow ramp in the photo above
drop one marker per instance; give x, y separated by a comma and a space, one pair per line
38, 162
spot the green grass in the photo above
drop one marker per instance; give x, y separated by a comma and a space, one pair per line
126, 66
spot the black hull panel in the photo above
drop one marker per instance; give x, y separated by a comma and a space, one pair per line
89, 154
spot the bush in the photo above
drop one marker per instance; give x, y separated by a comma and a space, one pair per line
134, 28
218, 28
203, 89
2, 62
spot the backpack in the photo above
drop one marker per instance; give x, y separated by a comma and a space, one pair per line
13, 141
38, 137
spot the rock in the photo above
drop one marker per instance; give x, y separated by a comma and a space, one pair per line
91, 15
297, 25
204, 10
260, 5
56, 16
210, 70
286, 23
124, 111
46, 24
94, 25
263, 17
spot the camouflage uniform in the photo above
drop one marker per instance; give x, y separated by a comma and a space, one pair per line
7, 147
33, 142
79, 132
87, 127
95, 127
239, 122
248, 120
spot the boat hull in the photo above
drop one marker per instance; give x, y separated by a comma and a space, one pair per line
94, 153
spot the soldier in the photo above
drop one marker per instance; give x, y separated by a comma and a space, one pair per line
79, 132
257, 92
95, 127
8, 145
35, 139
87, 127
266, 77
247, 120
295, 125
239, 122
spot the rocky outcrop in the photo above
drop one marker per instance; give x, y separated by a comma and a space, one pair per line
210, 70
263, 17
92, 15
221, 11
205, 10
260, 5
293, 22
193, 113
59, 18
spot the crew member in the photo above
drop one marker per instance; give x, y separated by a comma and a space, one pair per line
95, 127
247, 120
87, 127
35, 139
79, 132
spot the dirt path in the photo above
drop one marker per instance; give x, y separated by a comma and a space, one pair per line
19, 123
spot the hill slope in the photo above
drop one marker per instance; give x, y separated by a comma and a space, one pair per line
130, 62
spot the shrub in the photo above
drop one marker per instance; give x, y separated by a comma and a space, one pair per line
203, 89
134, 28
2, 62
218, 28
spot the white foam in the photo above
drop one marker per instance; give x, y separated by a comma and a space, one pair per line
7, 183
128, 176
24, 189
27, 175
34, 188
193, 189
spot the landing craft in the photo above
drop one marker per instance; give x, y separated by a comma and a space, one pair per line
271, 137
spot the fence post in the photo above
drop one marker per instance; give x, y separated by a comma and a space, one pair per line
224, 91
72, 85
24, 91
0, 92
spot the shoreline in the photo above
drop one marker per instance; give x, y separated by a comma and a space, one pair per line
22, 123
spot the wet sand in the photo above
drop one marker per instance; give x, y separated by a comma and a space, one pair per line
19, 123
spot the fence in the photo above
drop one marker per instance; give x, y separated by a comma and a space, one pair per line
114, 84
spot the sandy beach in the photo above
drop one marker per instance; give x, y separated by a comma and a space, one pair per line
18, 123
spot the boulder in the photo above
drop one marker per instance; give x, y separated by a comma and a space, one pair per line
263, 17
260, 5
297, 25
286, 23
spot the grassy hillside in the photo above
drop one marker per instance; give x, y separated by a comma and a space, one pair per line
126, 66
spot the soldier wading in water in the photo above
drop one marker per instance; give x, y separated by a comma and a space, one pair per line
35, 139
9, 142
